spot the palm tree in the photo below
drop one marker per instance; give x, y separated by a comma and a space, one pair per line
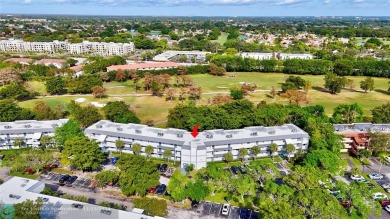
149, 150
255, 150
167, 154
242, 153
290, 148
228, 157
19, 143
119, 144
273, 148
136, 148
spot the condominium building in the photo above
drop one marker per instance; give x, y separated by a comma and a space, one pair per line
356, 136
86, 47
190, 56
208, 146
279, 56
29, 131
17, 190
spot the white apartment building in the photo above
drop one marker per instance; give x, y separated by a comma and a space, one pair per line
30, 131
97, 48
17, 190
280, 56
208, 146
175, 56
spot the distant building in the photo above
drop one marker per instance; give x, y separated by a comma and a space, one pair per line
208, 146
279, 56
197, 56
357, 135
23, 61
17, 190
86, 47
29, 131
58, 63
145, 66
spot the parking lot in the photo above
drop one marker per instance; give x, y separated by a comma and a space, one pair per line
214, 209
55, 177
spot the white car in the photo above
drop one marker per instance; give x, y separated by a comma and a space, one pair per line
387, 208
386, 186
375, 176
356, 177
387, 158
379, 195
225, 209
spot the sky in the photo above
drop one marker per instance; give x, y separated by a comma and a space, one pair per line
199, 7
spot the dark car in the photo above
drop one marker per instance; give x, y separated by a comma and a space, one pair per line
76, 205
164, 168
161, 189
385, 203
64, 178
114, 160
242, 169
194, 204
107, 212
88, 169
71, 180
244, 213
152, 190
234, 169
14, 196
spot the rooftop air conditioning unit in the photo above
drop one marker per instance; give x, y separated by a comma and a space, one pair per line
27, 126
179, 135
99, 126
138, 131
119, 129
254, 134
7, 127
229, 136
271, 132
209, 136
160, 134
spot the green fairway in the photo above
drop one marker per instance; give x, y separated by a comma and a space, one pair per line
222, 38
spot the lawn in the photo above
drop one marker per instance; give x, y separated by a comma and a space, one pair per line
222, 38
35, 176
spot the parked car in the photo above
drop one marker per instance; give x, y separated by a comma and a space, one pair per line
114, 160
225, 209
387, 158
334, 192
234, 169
76, 205
164, 168
362, 181
375, 176
379, 195
161, 189
245, 213
14, 196
152, 190
104, 211
194, 204
356, 177
71, 180
386, 185
385, 203
387, 208
64, 178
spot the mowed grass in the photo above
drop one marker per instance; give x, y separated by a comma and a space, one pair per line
37, 86
222, 38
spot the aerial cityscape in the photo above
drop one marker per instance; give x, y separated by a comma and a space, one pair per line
251, 109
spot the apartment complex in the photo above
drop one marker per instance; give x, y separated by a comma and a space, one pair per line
17, 190
208, 146
29, 131
357, 135
86, 47
279, 56
189, 56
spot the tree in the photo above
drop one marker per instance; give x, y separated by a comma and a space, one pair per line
326, 160
167, 154
10, 111
379, 142
307, 86
135, 78
189, 168
367, 84
119, 144
197, 190
177, 186
156, 88
14, 91
118, 111
255, 150
45, 141
43, 111
87, 116
381, 114
231, 51
99, 91
170, 94
350, 84
120, 75
55, 85
28, 209
236, 93
19, 143
149, 150
293, 83
347, 114
152, 206
137, 174
334, 83
216, 70
273, 92
136, 148
194, 92
67, 131
228, 157
295, 96
104, 76
85, 153
242, 153
273, 148
107, 177
290, 148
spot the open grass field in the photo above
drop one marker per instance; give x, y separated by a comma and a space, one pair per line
157, 108
222, 38
385, 42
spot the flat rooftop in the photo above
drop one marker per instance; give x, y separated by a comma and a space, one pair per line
361, 128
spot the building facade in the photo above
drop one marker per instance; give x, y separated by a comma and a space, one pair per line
208, 146
356, 136
86, 47
29, 131
190, 56
279, 56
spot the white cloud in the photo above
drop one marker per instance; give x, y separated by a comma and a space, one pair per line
290, 2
